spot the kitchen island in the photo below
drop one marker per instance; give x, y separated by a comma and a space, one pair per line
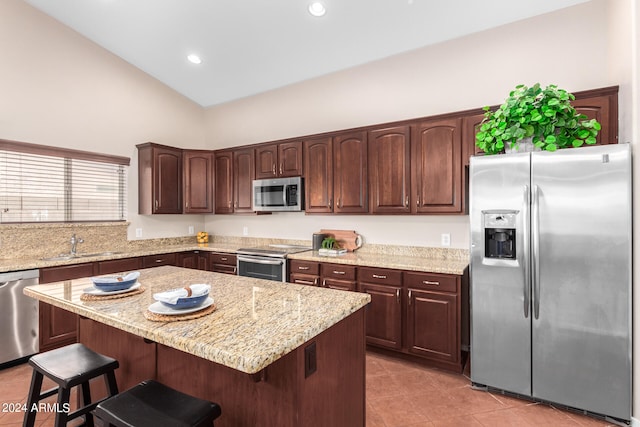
271, 354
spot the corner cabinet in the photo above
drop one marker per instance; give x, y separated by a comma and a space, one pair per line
159, 179
198, 181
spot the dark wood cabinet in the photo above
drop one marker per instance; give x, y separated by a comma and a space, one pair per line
304, 272
338, 276
390, 170
158, 260
602, 105
159, 179
59, 327
433, 316
198, 181
118, 265
243, 176
318, 167
350, 173
223, 171
384, 312
222, 262
197, 260
437, 161
279, 160
470, 126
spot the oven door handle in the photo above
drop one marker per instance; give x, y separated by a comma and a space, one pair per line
260, 260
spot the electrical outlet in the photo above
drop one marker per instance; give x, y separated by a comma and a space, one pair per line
445, 239
191, 230
138, 232
245, 231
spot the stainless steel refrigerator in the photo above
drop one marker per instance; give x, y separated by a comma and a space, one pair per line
551, 279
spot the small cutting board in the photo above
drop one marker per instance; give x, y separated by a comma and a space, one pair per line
347, 239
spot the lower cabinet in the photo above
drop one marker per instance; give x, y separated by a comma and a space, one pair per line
193, 259
221, 262
419, 315
58, 327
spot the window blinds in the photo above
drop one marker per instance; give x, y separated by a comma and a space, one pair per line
51, 188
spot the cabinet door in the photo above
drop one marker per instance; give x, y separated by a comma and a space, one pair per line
383, 315
390, 170
224, 182
432, 325
158, 260
350, 179
436, 156
267, 161
198, 182
167, 180
290, 159
243, 175
318, 184
470, 126
604, 109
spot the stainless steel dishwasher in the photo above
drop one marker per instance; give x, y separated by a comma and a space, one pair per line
18, 316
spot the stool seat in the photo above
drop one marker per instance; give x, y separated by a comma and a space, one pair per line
153, 404
70, 366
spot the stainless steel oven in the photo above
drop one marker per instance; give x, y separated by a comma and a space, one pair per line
266, 262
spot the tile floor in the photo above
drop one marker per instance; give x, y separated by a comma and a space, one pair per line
399, 394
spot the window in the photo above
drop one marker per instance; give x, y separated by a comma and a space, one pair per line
49, 184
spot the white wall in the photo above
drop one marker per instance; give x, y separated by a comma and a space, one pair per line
465, 73
58, 88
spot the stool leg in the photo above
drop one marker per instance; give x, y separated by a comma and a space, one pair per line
33, 399
61, 415
110, 382
86, 401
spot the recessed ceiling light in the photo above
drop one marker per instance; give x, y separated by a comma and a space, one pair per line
194, 59
317, 9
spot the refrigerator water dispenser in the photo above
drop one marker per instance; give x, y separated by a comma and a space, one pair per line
500, 234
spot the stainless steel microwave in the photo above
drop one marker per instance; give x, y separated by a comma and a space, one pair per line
278, 194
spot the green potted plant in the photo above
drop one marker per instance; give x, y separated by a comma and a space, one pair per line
546, 116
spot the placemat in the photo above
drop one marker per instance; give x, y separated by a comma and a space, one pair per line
89, 297
177, 317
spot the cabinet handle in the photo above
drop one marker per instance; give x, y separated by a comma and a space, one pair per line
305, 282
229, 204
301, 267
409, 302
379, 276
235, 205
273, 169
324, 283
418, 202
406, 201
428, 282
340, 202
339, 272
158, 260
281, 167
315, 281
156, 208
235, 270
398, 295
187, 205
330, 203
223, 258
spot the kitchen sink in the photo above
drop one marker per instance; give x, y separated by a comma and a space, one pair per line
65, 257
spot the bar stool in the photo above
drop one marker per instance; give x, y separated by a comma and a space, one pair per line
68, 367
152, 404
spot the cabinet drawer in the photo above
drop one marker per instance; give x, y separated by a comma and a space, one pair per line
158, 260
432, 281
338, 271
65, 272
380, 275
222, 258
304, 267
118, 265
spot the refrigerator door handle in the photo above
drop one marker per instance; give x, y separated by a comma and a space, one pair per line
535, 240
526, 258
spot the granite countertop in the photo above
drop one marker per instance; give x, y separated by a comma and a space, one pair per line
382, 260
255, 323
25, 263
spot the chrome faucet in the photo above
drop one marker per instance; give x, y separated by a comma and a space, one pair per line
74, 243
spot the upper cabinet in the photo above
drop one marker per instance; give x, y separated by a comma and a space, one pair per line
159, 179
318, 166
602, 105
390, 170
350, 179
279, 160
234, 172
436, 156
198, 181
